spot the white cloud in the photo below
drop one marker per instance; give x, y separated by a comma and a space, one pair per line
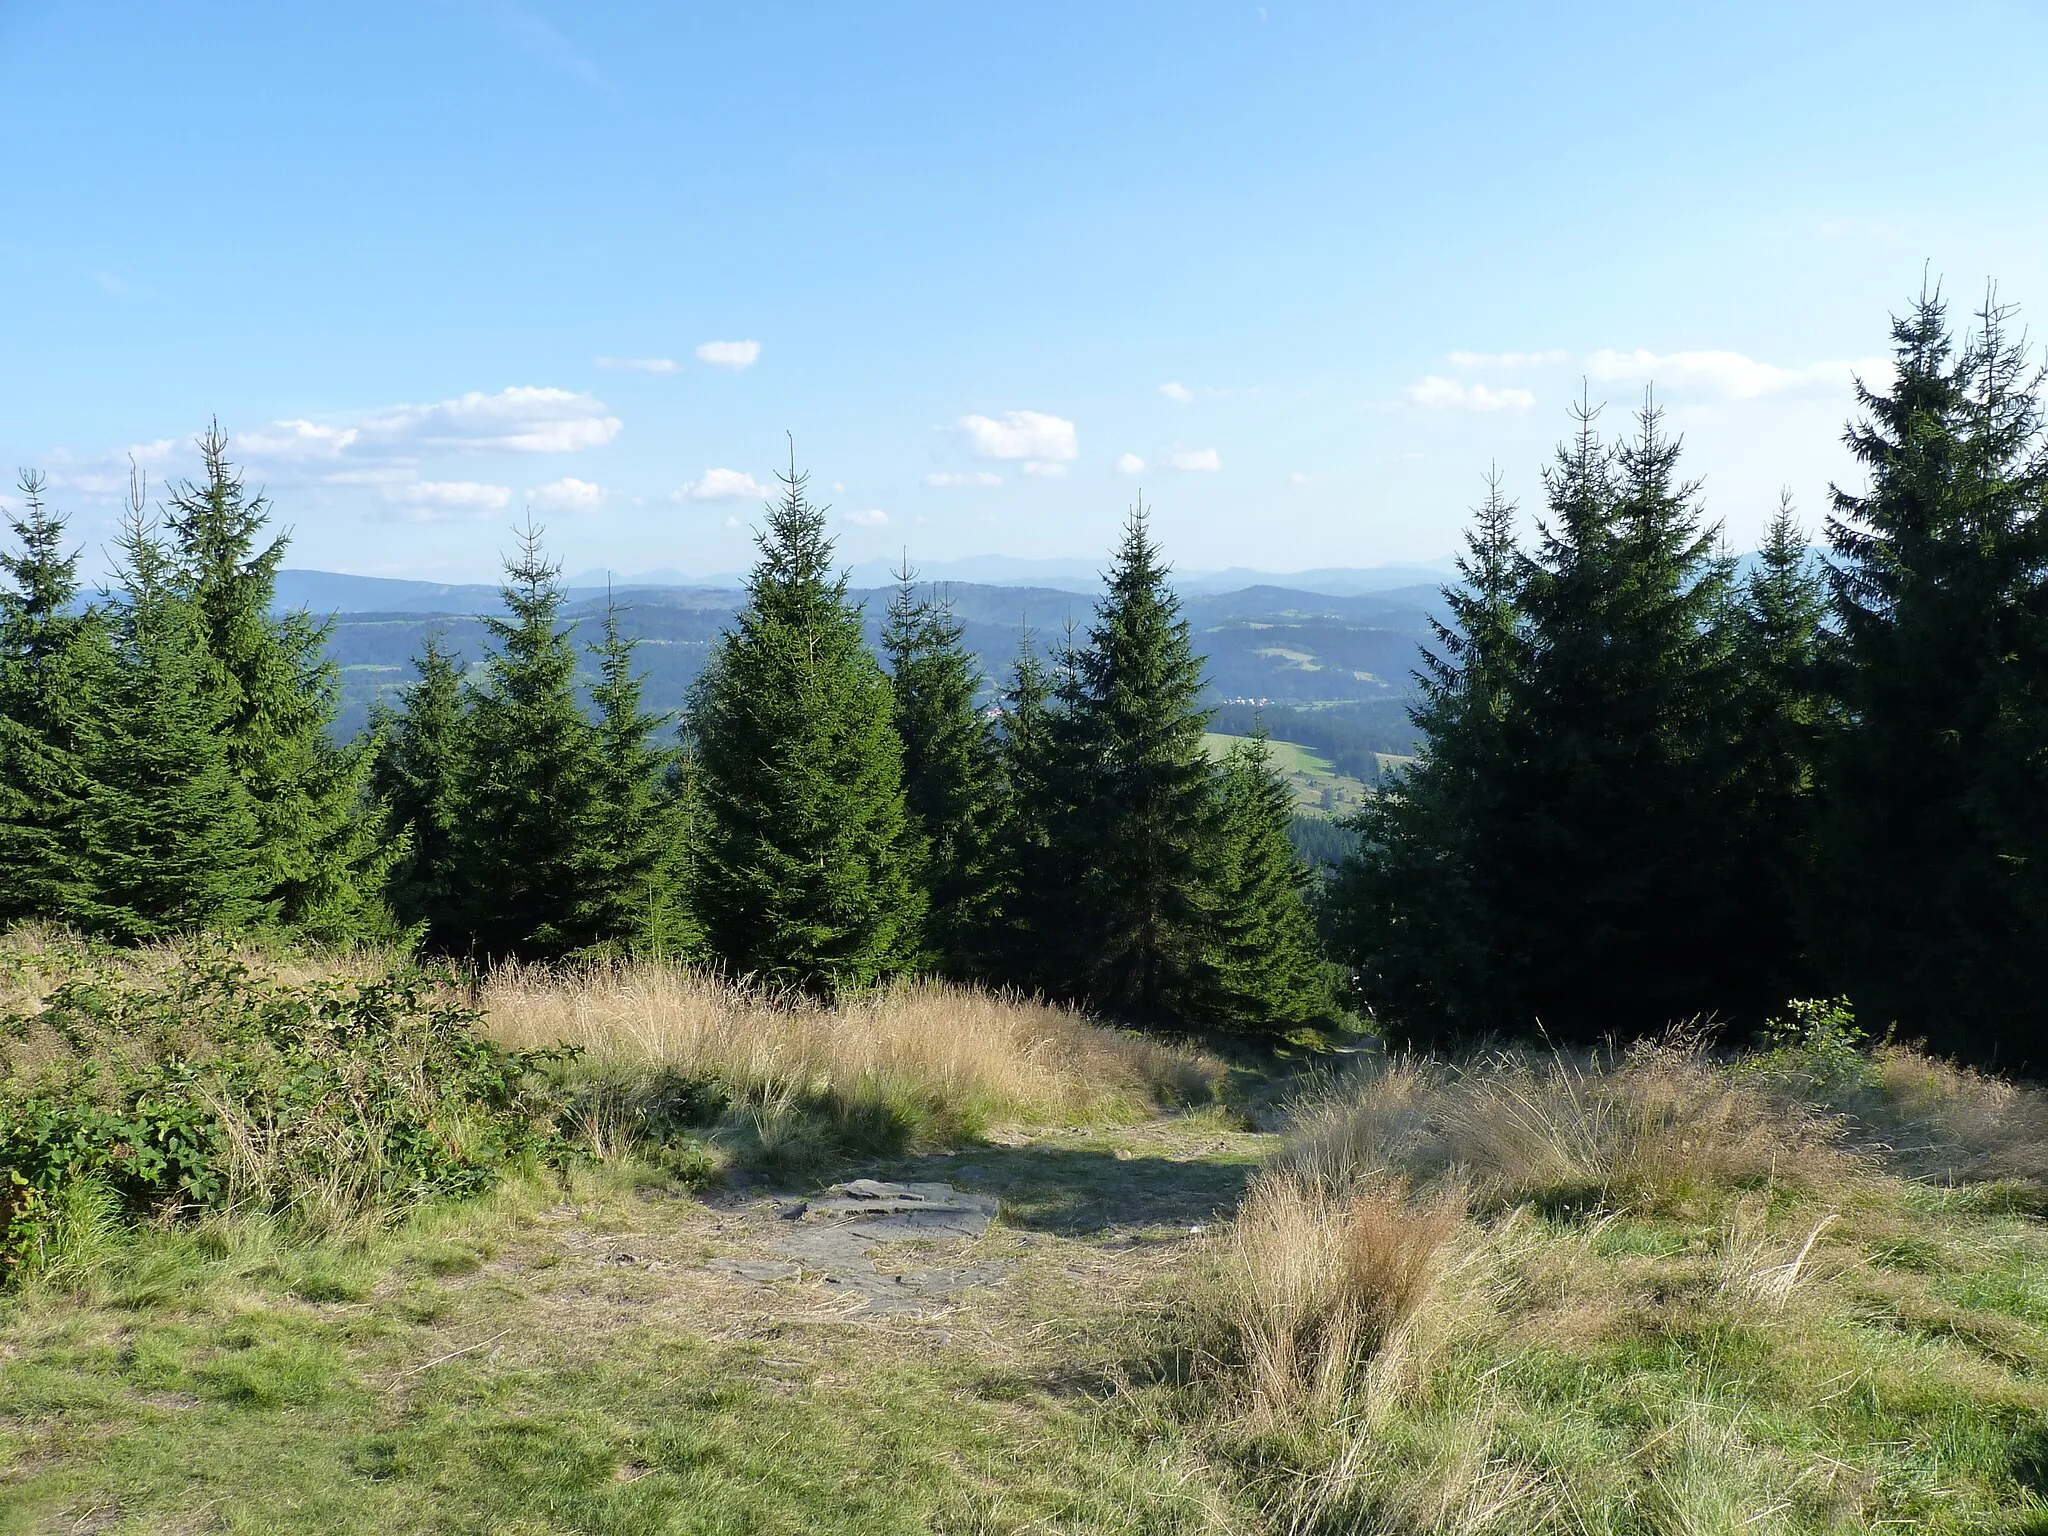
1439, 393
1202, 460
734, 522
641, 364
434, 500
1173, 390
1296, 477
298, 440
1506, 359
723, 485
1022, 435
522, 419
729, 354
105, 476
1130, 464
1045, 471
874, 517
971, 477
566, 495
1729, 375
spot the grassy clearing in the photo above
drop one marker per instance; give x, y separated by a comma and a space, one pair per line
1658, 1294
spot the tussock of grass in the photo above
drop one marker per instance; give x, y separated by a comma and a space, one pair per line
1691, 1295
1324, 1283
789, 1081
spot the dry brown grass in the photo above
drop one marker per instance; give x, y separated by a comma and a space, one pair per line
1650, 1130
1321, 1284
993, 1056
1935, 1120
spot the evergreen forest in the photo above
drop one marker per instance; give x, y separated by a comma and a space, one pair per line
1652, 787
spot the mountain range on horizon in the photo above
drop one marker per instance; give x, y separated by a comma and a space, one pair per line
343, 592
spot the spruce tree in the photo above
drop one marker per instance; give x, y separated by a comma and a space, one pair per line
951, 779
418, 775
324, 851
1150, 831
1780, 709
529, 791
46, 701
805, 873
1935, 910
1037, 884
636, 815
1614, 873
1412, 908
169, 834
1270, 974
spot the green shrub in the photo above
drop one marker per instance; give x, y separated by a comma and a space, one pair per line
212, 1088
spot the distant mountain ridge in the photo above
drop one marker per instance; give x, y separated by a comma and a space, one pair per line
339, 592
1262, 643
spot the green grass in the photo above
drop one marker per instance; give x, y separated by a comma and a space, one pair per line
560, 1358
495, 1367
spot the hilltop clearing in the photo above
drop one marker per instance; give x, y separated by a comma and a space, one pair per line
1802, 1291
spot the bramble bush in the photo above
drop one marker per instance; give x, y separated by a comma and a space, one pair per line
211, 1088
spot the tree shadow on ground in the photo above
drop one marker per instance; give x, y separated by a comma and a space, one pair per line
1083, 1190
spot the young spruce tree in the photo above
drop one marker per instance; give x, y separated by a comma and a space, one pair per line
637, 815
1412, 907
46, 702
952, 782
528, 796
170, 836
1780, 711
1149, 833
1271, 976
805, 877
324, 849
1037, 885
418, 775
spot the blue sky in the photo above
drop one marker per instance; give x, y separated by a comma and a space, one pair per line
1313, 266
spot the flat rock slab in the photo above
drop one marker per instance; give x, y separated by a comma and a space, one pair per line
853, 1217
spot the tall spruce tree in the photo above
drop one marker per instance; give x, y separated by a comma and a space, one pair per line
1614, 882
952, 781
1566, 829
1935, 843
418, 775
1412, 907
805, 877
324, 850
46, 702
169, 832
529, 796
1149, 833
1270, 974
